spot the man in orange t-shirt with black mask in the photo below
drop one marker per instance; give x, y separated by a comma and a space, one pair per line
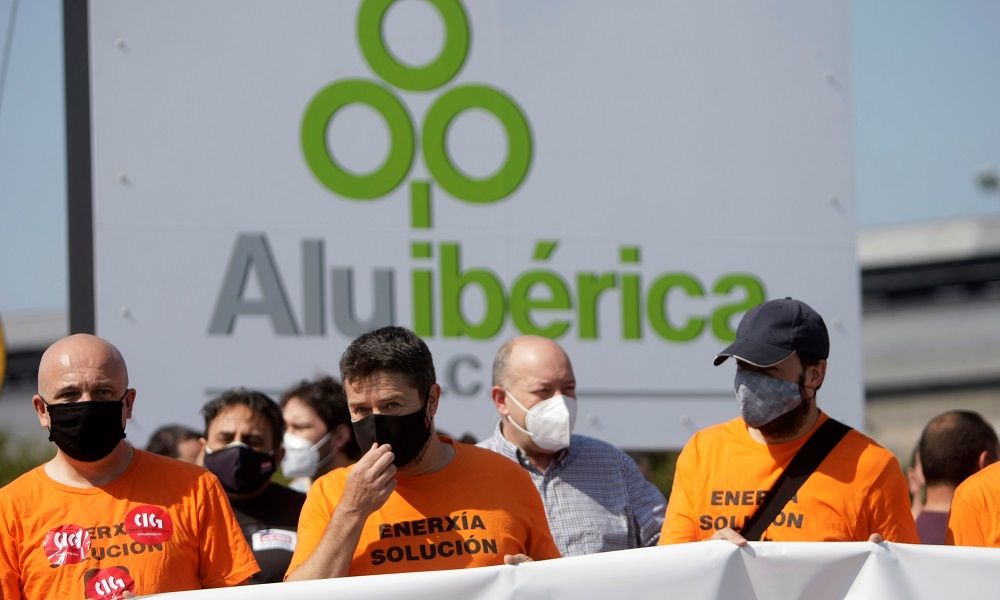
103, 520
415, 501
724, 472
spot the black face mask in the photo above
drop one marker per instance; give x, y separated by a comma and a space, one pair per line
406, 434
240, 470
86, 431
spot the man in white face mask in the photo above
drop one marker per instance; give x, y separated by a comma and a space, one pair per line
595, 497
318, 434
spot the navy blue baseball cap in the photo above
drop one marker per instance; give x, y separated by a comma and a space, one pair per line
770, 332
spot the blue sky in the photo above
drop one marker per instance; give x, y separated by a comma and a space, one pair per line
32, 162
926, 80
927, 108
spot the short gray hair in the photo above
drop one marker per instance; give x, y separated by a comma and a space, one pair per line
500, 362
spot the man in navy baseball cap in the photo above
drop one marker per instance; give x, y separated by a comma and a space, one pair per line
780, 349
725, 471
772, 331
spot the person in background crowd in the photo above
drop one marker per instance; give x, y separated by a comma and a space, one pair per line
102, 514
595, 497
952, 446
176, 441
915, 481
242, 429
318, 434
724, 472
415, 501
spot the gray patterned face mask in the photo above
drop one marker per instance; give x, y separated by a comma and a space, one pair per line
763, 398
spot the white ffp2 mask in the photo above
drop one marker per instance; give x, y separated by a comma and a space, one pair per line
549, 423
301, 457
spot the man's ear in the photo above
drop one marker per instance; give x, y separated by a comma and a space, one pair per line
129, 402
433, 396
499, 396
986, 459
40, 411
815, 374
200, 460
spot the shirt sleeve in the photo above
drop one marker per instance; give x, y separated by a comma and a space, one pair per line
646, 504
314, 518
964, 521
888, 506
10, 585
225, 558
680, 522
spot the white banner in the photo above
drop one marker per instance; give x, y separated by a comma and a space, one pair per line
772, 570
628, 179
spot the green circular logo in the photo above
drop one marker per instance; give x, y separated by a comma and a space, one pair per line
325, 104
435, 134
317, 118
417, 79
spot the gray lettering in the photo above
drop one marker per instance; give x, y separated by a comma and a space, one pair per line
252, 252
313, 270
451, 375
344, 310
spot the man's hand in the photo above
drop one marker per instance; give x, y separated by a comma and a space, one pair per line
729, 534
367, 488
371, 481
516, 559
876, 538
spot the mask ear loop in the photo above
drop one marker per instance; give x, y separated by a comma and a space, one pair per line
510, 417
803, 387
322, 442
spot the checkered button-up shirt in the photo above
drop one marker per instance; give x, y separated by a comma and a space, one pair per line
595, 497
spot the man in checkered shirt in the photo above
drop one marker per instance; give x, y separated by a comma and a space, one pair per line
595, 497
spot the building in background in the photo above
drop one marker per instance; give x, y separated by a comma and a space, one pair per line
931, 324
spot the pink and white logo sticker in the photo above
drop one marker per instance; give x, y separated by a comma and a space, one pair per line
149, 524
66, 545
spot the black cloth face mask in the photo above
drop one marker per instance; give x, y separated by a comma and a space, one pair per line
406, 434
240, 470
86, 431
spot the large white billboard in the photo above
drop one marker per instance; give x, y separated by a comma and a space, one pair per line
271, 179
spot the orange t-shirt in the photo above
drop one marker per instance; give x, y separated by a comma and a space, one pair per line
471, 513
162, 526
722, 475
975, 510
